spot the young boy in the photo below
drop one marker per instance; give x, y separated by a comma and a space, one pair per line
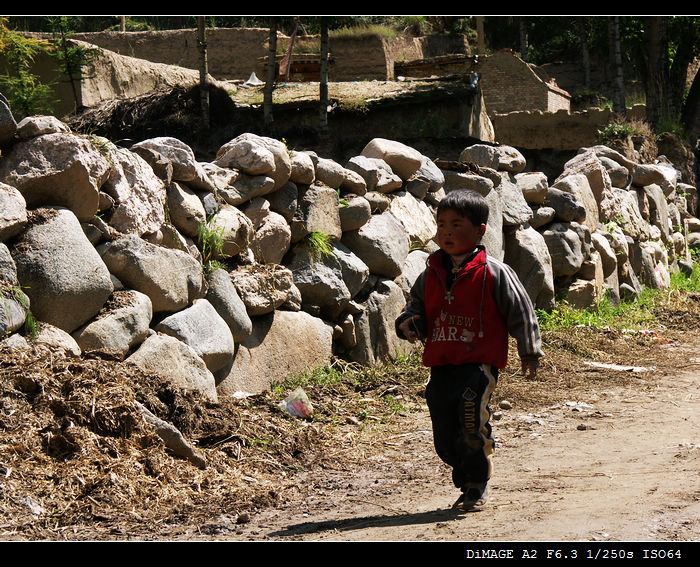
463, 306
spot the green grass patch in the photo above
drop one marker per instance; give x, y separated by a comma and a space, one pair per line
631, 314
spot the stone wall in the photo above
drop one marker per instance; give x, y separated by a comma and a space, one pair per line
87, 247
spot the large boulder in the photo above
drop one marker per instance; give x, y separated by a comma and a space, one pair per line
263, 287
403, 160
382, 244
8, 126
415, 216
317, 211
122, 324
515, 211
527, 253
224, 298
257, 155
171, 278
282, 344
186, 209
60, 270
569, 246
59, 169
138, 193
185, 166
234, 229
203, 329
578, 186
376, 339
172, 359
13, 212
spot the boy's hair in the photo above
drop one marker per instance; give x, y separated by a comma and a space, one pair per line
467, 203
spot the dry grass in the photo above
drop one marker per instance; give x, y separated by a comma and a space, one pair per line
78, 461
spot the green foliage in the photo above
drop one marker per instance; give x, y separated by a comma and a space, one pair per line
70, 55
26, 94
15, 293
319, 244
614, 131
211, 244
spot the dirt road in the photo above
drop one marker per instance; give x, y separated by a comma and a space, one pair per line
617, 465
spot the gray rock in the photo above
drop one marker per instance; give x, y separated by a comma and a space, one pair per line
13, 310
303, 171
235, 229
8, 126
415, 216
567, 207
177, 362
57, 169
567, 248
257, 155
32, 126
354, 212
377, 342
203, 329
578, 186
403, 160
8, 270
515, 211
382, 244
64, 277
317, 211
527, 253
533, 186
224, 298
123, 324
263, 288
185, 166
13, 212
284, 200
186, 209
283, 344
172, 279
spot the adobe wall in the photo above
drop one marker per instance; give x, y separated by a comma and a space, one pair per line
229, 55
562, 130
234, 53
509, 84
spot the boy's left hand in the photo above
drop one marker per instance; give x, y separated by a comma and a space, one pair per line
529, 367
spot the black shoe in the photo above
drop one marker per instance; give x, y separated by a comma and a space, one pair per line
472, 497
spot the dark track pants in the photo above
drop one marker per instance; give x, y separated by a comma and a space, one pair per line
458, 398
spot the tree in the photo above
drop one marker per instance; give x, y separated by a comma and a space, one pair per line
71, 56
203, 70
323, 83
271, 72
616, 65
657, 84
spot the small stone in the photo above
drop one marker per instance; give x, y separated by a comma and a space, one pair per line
505, 404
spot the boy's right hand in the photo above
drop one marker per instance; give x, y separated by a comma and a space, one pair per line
409, 328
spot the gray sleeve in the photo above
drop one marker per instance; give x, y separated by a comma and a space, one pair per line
516, 308
414, 306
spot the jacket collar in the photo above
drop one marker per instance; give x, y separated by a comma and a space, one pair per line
441, 261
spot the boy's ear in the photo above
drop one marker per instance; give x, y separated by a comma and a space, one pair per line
482, 229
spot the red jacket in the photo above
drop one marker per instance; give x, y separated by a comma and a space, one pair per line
467, 318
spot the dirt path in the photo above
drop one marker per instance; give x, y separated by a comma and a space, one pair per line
617, 465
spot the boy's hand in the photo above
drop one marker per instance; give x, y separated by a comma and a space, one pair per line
529, 367
409, 328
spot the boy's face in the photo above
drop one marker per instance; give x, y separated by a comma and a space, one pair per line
456, 234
